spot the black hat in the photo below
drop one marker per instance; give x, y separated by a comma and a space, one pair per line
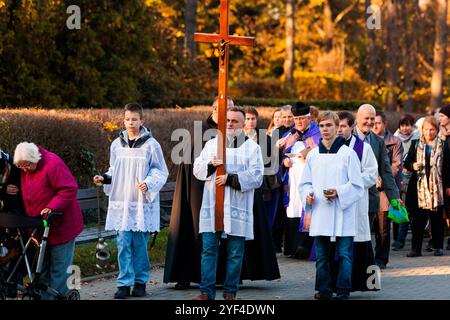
445, 110
300, 109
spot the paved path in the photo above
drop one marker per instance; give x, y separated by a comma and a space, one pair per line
426, 277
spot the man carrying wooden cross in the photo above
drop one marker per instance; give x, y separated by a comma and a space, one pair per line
244, 174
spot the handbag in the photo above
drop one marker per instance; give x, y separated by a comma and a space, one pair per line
397, 212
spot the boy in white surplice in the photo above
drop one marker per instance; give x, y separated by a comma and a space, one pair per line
331, 186
136, 174
245, 169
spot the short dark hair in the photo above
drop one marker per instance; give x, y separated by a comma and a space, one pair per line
347, 115
251, 110
382, 115
236, 109
134, 107
406, 119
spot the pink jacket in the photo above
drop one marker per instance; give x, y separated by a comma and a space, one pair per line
53, 186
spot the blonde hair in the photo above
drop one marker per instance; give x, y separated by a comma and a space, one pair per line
328, 115
269, 128
27, 151
431, 120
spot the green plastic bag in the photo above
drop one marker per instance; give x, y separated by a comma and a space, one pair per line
397, 212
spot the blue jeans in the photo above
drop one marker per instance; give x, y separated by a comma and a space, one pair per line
402, 232
54, 270
344, 247
210, 254
134, 265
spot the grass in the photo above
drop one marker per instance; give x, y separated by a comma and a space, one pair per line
84, 256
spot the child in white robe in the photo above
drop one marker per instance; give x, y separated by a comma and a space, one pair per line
331, 186
136, 174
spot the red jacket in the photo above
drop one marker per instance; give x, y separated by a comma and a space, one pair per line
53, 186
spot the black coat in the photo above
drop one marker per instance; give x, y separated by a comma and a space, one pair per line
446, 171
11, 203
411, 193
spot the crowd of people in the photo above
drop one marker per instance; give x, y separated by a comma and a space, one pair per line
336, 175
313, 185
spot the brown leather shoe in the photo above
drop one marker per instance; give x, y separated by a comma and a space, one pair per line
203, 296
229, 296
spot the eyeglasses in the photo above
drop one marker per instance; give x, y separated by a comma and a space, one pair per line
25, 166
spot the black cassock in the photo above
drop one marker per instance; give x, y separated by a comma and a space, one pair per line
183, 255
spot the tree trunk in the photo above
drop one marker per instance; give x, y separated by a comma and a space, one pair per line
392, 61
289, 60
328, 26
190, 23
411, 25
440, 46
372, 51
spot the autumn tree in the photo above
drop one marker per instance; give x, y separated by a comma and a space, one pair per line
289, 61
440, 48
190, 24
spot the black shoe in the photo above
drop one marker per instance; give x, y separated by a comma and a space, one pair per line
397, 246
182, 285
138, 290
322, 296
429, 247
439, 252
381, 265
301, 252
342, 296
413, 254
122, 293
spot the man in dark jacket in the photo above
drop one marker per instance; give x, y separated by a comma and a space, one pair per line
395, 153
445, 126
365, 118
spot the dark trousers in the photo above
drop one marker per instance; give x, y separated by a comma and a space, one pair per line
381, 226
279, 225
418, 223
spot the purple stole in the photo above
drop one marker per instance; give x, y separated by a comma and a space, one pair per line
359, 148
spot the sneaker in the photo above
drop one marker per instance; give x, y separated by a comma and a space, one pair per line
122, 293
229, 296
138, 290
202, 297
439, 252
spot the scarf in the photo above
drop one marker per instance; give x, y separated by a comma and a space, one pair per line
430, 191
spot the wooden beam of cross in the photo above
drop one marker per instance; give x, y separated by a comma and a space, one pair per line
224, 40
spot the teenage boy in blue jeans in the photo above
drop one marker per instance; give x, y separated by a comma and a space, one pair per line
331, 186
136, 174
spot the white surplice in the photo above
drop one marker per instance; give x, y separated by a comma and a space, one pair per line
294, 208
369, 174
245, 161
129, 209
342, 172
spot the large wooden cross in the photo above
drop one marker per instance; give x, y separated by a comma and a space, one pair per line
224, 40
